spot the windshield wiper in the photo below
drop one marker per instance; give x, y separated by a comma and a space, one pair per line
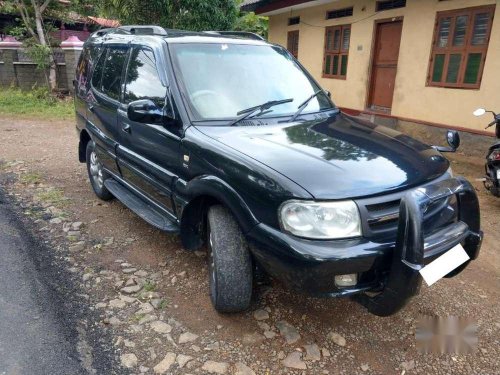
246, 113
304, 105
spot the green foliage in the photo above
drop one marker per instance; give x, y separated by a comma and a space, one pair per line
195, 15
18, 32
253, 23
201, 15
37, 103
249, 21
39, 54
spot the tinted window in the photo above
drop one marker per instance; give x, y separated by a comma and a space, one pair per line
82, 68
111, 75
85, 64
96, 77
143, 81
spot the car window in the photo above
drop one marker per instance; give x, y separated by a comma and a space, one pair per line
219, 80
112, 72
96, 77
142, 80
84, 69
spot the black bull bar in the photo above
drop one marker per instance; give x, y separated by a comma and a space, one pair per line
413, 251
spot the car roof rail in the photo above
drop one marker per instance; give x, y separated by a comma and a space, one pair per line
143, 30
244, 34
102, 32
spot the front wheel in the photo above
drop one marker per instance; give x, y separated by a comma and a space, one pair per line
229, 262
97, 175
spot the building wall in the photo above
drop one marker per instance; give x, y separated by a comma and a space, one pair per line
412, 98
25, 75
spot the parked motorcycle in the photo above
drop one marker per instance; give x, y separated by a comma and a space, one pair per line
492, 179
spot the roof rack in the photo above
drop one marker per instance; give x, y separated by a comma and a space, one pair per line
245, 34
102, 32
144, 30
158, 30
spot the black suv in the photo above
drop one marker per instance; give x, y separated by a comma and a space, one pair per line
229, 141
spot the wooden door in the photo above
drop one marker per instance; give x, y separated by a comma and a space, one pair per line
384, 65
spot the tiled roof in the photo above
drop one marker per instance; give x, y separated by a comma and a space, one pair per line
104, 21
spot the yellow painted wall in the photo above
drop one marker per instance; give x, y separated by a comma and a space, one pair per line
412, 98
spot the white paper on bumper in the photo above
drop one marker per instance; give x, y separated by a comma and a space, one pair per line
444, 264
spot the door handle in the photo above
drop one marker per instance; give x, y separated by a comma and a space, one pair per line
126, 128
91, 108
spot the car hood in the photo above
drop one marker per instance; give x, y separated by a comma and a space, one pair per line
337, 157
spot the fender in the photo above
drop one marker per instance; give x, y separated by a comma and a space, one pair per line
215, 187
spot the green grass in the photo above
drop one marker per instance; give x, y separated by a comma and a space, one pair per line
31, 178
35, 103
163, 304
53, 196
149, 286
137, 317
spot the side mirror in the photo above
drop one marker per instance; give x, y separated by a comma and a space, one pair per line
453, 139
145, 111
328, 93
479, 112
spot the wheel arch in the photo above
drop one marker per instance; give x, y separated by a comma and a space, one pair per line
202, 193
82, 145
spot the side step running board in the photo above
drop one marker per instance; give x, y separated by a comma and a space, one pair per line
141, 207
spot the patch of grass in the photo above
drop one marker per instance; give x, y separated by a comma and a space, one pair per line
149, 286
35, 214
31, 178
137, 317
52, 196
37, 102
163, 304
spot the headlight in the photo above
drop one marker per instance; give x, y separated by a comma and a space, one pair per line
495, 155
321, 220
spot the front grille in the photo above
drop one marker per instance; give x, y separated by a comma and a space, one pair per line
380, 215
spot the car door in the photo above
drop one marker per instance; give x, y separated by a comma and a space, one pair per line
103, 104
148, 154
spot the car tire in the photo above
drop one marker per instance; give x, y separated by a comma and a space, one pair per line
97, 175
229, 262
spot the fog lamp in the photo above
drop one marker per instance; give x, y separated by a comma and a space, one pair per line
346, 280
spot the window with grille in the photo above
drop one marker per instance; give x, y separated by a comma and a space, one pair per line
293, 43
337, 40
390, 4
339, 13
459, 47
293, 21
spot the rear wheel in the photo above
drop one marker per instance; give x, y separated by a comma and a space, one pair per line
97, 175
229, 262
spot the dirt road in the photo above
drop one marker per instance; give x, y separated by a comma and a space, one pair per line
152, 296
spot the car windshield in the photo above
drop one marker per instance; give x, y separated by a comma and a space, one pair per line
221, 80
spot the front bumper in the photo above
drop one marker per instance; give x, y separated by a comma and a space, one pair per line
389, 268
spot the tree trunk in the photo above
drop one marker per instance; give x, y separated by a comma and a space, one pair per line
41, 37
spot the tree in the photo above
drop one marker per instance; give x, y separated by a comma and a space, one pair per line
195, 15
253, 23
37, 23
32, 13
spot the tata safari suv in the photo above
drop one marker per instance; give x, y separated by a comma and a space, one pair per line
227, 140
